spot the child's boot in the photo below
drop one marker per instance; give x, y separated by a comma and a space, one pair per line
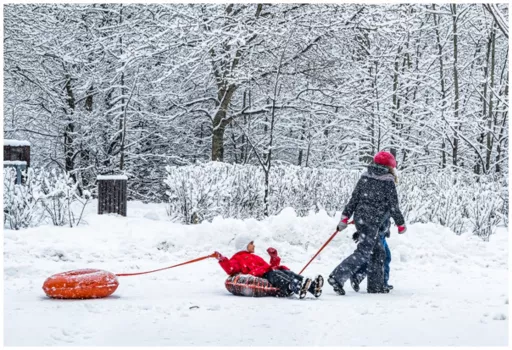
304, 288
316, 286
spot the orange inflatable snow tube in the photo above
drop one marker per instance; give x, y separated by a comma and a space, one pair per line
250, 286
81, 284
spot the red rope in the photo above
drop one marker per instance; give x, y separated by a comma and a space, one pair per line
313, 258
325, 244
165, 268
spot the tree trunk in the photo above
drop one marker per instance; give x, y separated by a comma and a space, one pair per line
69, 130
396, 103
85, 156
498, 148
443, 145
122, 123
455, 85
302, 137
371, 125
484, 102
441, 76
502, 131
222, 73
89, 99
265, 197
218, 142
376, 148
308, 151
220, 121
245, 141
490, 119
235, 150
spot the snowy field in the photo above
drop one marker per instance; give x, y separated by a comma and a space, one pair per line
449, 290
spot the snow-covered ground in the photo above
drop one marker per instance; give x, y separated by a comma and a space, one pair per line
449, 290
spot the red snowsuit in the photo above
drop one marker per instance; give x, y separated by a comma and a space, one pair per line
249, 263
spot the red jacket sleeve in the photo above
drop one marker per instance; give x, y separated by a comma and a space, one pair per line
275, 261
231, 266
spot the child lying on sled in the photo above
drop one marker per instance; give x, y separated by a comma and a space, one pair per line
246, 262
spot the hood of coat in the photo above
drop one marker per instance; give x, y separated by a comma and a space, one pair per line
379, 172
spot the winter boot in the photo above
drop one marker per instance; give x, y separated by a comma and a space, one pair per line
383, 289
354, 283
316, 286
338, 288
304, 288
389, 286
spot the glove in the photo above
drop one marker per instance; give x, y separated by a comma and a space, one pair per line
218, 256
402, 229
343, 224
272, 252
355, 237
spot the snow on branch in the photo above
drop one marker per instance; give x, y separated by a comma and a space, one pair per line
112, 177
16, 143
450, 198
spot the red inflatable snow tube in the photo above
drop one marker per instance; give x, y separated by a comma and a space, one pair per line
250, 286
81, 284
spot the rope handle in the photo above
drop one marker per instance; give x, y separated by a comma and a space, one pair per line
165, 268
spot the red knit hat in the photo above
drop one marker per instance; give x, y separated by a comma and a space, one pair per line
385, 158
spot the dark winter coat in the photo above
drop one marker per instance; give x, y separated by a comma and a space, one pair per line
250, 264
375, 197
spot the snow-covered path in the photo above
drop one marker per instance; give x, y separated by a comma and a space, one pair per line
449, 290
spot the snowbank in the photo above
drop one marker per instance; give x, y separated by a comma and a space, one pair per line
449, 289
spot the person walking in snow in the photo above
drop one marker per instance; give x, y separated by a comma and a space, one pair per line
374, 199
246, 262
360, 275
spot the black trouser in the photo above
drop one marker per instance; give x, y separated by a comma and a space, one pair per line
282, 278
361, 273
369, 250
376, 268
